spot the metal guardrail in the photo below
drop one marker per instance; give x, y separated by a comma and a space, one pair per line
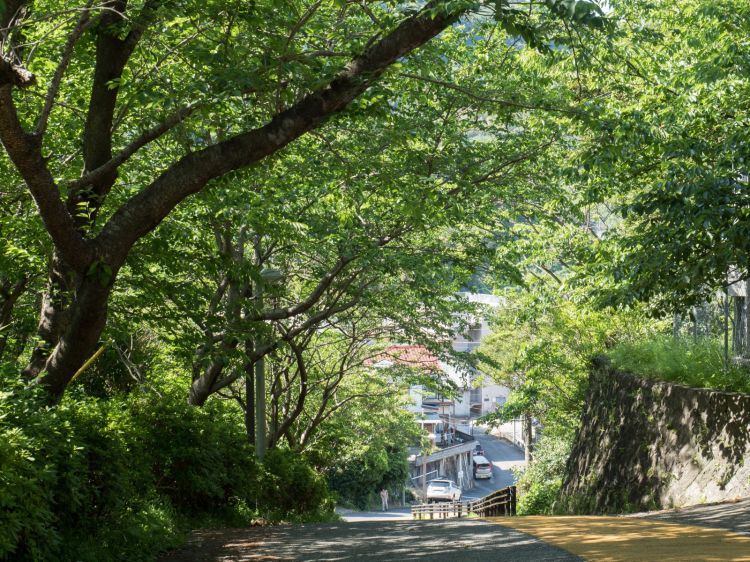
499, 502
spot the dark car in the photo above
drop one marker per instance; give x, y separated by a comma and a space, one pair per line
479, 450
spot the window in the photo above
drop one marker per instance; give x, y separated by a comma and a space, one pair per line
475, 333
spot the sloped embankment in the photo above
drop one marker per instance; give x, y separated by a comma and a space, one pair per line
646, 445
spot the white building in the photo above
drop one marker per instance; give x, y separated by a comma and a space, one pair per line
479, 395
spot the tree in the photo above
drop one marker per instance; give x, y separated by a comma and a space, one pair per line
668, 149
87, 257
265, 91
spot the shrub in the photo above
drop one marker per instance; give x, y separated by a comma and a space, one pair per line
289, 488
539, 484
126, 477
697, 363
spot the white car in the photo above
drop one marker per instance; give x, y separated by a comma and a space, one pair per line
443, 491
482, 467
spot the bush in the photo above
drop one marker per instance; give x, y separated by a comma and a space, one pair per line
290, 489
697, 363
123, 478
539, 484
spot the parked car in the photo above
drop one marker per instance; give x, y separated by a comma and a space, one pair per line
479, 450
482, 467
443, 491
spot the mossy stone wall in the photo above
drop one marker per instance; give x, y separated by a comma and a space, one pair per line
650, 445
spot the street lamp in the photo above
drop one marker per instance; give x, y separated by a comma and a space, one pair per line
268, 276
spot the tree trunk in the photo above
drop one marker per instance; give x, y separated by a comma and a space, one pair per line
528, 439
52, 315
84, 321
738, 327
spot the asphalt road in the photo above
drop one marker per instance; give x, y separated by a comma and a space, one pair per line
699, 533
731, 516
464, 540
503, 457
500, 453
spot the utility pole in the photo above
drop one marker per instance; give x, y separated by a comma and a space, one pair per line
260, 387
261, 441
249, 394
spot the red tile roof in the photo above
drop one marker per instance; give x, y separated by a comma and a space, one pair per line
416, 356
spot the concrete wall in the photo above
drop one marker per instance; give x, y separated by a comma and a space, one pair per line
446, 463
649, 445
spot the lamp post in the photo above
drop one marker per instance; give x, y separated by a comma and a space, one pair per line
267, 276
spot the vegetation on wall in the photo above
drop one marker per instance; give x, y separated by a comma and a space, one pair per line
698, 363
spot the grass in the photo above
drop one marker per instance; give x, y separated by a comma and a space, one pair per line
697, 363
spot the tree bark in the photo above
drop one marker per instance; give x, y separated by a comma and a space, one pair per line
528, 439
78, 340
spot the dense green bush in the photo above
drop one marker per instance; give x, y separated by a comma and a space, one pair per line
290, 488
539, 484
123, 478
693, 362
359, 477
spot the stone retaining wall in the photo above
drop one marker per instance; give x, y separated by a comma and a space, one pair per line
650, 445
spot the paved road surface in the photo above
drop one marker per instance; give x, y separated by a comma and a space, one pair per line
465, 540
633, 539
504, 457
731, 516
703, 533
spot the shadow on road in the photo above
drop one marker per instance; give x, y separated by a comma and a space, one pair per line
730, 516
465, 540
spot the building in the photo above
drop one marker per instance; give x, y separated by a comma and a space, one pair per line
477, 395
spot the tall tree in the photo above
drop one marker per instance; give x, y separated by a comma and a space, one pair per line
668, 149
125, 109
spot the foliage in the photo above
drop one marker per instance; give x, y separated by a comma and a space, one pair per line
539, 484
541, 348
291, 488
693, 362
364, 450
666, 147
124, 478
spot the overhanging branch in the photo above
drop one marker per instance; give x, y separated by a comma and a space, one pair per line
144, 211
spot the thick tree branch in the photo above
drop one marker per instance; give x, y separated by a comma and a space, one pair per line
25, 153
112, 54
143, 212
